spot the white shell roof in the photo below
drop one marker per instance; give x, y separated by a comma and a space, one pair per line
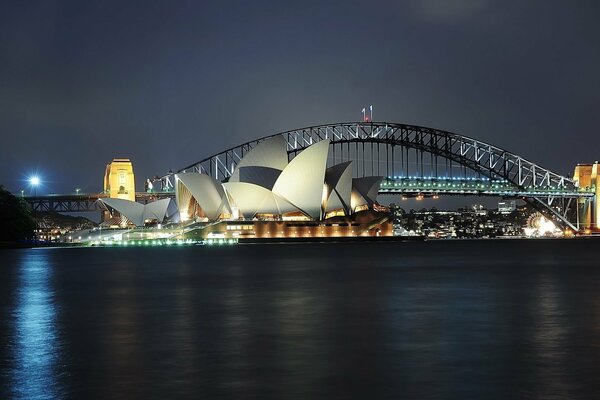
131, 210
137, 213
338, 179
262, 176
365, 190
265, 183
252, 199
157, 209
301, 182
205, 190
271, 153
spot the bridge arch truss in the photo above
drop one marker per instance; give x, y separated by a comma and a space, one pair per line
392, 150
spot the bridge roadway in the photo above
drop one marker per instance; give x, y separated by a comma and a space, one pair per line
406, 186
82, 202
415, 186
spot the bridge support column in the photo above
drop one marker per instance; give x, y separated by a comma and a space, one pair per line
584, 213
587, 177
595, 223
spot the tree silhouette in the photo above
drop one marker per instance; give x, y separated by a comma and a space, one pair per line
17, 222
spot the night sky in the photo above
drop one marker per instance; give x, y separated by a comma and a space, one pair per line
169, 83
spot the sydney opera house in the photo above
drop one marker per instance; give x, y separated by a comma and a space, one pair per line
268, 196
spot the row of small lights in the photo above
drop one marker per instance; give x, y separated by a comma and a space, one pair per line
443, 178
446, 184
507, 192
142, 242
220, 241
178, 242
456, 179
548, 188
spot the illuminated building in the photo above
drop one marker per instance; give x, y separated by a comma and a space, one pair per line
277, 198
586, 178
119, 181
507, 206
368, 224
300, 198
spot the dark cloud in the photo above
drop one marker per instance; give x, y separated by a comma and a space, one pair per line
456, 11
169, 83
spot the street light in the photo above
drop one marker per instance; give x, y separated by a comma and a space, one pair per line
34, 181
77, 190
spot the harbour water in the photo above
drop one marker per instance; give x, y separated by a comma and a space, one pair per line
492, 319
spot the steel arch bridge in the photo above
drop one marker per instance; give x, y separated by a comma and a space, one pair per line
420, 161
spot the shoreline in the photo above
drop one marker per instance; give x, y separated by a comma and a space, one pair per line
304, 240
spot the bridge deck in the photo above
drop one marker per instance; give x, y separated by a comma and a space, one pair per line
471, 186
81, 202
410, 186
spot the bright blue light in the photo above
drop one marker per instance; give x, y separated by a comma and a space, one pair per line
34, 180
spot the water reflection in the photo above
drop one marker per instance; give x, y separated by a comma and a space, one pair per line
550, 335
123, 339
35, 344
423, 320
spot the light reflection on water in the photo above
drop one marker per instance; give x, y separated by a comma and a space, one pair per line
550, 334
35, 345
410, 320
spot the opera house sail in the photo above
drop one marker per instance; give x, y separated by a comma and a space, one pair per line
269, 193
123, 212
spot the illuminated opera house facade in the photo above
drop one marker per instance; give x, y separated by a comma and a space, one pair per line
268, 197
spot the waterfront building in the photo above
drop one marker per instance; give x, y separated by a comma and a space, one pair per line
265, 197
284, 199
507, 206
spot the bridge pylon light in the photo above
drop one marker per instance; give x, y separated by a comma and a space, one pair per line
119, 180
586, 178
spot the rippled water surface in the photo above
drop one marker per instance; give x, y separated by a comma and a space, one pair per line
429, 320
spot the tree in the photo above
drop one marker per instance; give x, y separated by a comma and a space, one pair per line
17, 223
